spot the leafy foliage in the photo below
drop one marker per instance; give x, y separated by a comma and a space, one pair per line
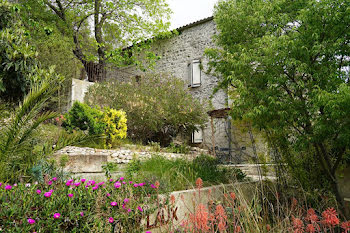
19, 145
83, 117
286, 64
116, 25
157, 107
115, 125
54, 46
17, 56
110, 123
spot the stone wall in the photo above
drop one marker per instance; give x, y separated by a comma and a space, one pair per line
87, 162
176, 53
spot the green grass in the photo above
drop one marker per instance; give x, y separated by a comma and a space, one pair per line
180, 174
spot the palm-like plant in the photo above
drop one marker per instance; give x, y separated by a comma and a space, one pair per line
16, 139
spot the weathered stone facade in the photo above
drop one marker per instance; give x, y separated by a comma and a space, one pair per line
176, 54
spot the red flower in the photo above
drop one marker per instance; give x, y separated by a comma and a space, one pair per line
298, 225
346, 226
238, 229
310, 228
330, 218
233, 196
311, 216
268, 227
199, 183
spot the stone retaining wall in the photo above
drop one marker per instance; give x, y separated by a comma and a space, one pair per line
87, 162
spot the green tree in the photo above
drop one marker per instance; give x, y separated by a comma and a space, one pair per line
115, 25
17, 56
287, 63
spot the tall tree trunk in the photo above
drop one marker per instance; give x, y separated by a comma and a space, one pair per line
94, 71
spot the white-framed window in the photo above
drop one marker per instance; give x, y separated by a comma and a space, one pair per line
197, 136
194, 73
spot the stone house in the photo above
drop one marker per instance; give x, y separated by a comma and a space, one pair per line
182, 56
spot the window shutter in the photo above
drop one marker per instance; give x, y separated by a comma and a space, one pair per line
196, 74
197, 136
189, 69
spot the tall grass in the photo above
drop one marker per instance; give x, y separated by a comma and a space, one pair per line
179, 174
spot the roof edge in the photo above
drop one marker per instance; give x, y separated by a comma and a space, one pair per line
194, 23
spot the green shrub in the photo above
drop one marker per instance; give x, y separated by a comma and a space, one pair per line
179, 149
111, 123
83, 117
158, 107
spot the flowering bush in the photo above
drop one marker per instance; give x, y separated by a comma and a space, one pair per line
235, 214
76, 206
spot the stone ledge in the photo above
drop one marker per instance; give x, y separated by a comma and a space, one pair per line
90, 160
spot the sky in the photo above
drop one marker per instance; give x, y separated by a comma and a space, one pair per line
188, 11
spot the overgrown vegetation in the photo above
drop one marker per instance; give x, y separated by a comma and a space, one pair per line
110, 123
291, 81
180, 174
19, 147
157, 106
17, 56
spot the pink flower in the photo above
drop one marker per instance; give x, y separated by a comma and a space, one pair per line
28, 185
70, 195
15, 185
82, 214
108, 194
8, 187
110, 180
0, 184
49, 183
101, 183
57, 215
31, 221
117, 185
38, 191
83, 180
47, 194
135, 185
110, 220
77, 184
54, 178
121, 178
139, 208
148, 232
141, 184
129, 210
130, 182
68, 183
152, 186
113, 203
126, 200
124, 182
95, 187
124, 206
